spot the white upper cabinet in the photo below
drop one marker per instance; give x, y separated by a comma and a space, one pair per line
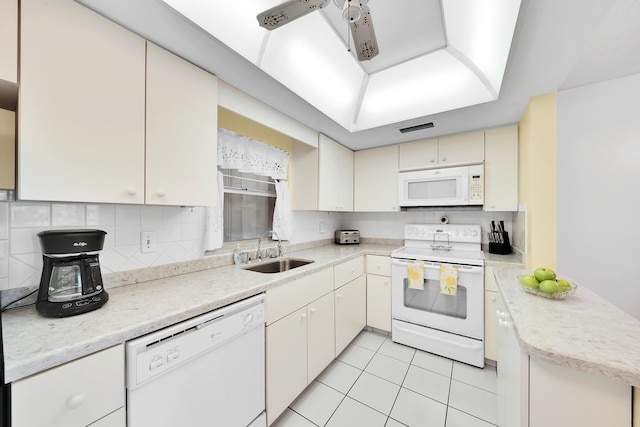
103, 118
335, 176
376, 180
82, 106
462, 148
419, 154
182, 129
459, 149
501, 169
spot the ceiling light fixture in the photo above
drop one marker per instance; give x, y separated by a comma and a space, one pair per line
351, 9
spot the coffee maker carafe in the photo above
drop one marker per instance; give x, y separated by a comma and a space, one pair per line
71, 281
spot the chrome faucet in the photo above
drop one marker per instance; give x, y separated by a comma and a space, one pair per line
273, 233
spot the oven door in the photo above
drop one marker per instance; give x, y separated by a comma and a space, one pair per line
461, 314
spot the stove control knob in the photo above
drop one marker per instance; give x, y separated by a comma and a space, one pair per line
474, 233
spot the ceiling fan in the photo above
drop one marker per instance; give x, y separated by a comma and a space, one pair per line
355, 12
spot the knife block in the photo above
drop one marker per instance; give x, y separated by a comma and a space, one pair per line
501, 248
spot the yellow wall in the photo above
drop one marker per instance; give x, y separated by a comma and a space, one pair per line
254, 130
7, 149
537, 165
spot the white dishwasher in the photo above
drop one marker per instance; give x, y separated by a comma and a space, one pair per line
205, 371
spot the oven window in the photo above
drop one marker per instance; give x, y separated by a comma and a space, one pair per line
431, 300
436, 189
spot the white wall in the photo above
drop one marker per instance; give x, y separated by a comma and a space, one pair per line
599, 188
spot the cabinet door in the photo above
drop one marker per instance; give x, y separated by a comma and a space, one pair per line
490, 325
74, 394
490, 315
501, 169
351, 312
335, 176
286, 361
462, 148
380, 265
513, 374
347, 271
82, 106
379, 302
182, 130
8, 42
376, 180
321, 335
418, 154
304, 177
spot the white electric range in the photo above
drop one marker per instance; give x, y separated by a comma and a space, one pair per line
428, 316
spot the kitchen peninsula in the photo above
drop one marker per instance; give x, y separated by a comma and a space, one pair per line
564, 362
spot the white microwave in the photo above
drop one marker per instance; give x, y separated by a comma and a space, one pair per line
456, 186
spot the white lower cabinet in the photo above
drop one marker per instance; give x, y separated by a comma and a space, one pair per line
379, 292
78, 393
308, 323
351, 311
286, 361
299, 337
490, 317
535, 393
320, 335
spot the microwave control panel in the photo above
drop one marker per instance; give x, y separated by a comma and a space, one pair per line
475, 188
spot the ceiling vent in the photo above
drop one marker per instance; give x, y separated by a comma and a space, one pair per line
417, 127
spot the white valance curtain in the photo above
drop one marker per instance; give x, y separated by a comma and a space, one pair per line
249, 156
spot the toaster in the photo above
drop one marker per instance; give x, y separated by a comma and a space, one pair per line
347, 237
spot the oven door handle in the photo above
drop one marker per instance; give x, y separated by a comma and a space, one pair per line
436, 266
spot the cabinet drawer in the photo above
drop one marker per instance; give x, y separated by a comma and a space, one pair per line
74, 394
380, 265
289, 297
347, 271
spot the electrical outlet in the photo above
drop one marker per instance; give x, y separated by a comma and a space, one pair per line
323, 228
147, 241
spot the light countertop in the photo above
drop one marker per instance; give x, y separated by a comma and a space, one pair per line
583, 332
33, 343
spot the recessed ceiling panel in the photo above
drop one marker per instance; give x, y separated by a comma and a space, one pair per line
405, 29
482, 32
431, 84
232, 22
307, 57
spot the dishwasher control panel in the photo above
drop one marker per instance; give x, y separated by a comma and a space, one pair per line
167, 348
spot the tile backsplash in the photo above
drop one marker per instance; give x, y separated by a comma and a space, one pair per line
178, 232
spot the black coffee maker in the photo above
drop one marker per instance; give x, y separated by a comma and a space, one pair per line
71, 281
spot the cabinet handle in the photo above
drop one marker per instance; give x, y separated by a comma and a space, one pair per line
493, 299
432, 161
132, 191
444, 159
75, 401
339, 296
161, 193
313, 310
303, 315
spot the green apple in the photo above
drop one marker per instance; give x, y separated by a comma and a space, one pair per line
543, 274
529, 281
549, 287
564, 285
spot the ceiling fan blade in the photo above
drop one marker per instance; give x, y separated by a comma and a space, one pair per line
286, 12
364, 36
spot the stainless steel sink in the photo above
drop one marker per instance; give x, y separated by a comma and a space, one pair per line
279, 265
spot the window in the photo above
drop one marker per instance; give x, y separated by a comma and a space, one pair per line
249, 201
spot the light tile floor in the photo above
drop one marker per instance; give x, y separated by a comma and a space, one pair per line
377, 383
